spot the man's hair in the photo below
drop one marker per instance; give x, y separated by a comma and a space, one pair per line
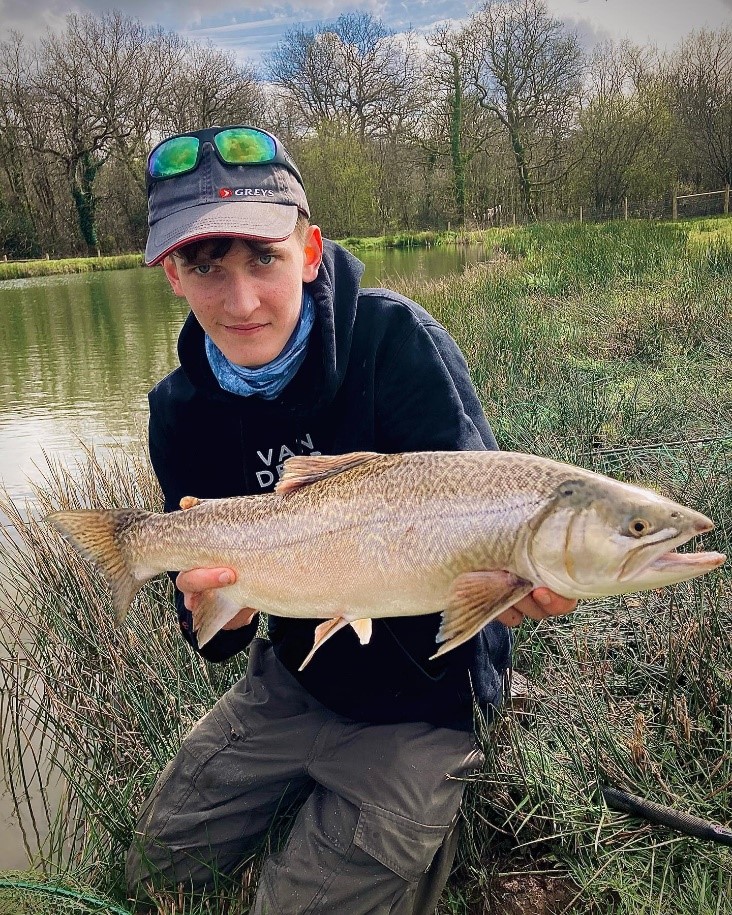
216, 248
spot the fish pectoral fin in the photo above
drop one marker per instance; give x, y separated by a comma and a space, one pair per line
322, 633
301, 470
477, 598
363, 630
215, 608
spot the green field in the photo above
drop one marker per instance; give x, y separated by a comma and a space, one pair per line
607, 346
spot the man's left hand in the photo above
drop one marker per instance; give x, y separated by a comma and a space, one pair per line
539, 605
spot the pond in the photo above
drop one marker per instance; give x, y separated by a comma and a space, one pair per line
78, 355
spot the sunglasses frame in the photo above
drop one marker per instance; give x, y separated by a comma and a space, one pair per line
207, 135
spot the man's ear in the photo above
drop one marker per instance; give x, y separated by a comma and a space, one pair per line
313, 254
170, 267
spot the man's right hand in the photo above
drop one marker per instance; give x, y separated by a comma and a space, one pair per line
194, 582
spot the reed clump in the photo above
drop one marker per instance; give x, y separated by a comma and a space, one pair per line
607, 346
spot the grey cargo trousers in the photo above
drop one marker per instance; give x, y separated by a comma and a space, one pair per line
375, 835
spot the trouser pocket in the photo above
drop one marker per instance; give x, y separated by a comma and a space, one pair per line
405, 846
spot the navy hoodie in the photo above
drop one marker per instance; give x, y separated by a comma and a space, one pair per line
382, 375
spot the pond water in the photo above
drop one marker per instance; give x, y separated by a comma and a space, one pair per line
78, 355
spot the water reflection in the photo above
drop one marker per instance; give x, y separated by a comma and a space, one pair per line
79, 353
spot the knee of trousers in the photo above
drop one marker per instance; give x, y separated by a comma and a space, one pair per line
346, 849
153, 865
342, 858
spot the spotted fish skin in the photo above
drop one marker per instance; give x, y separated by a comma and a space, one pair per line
353, 537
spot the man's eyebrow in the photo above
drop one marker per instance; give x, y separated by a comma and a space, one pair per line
261, 247
200, 258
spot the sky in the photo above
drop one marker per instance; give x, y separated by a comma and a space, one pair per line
251, 28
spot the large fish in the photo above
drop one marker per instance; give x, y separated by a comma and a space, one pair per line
345, 539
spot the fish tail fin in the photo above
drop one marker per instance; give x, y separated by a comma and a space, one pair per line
96, 535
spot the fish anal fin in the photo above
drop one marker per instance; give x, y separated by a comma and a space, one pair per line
322, 633
215, 608
98, 536
363, 629
302, 470
477, 598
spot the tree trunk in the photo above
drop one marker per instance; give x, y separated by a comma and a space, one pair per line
456, 124
82, 174
519, 153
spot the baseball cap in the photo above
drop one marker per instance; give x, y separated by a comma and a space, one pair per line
213, 197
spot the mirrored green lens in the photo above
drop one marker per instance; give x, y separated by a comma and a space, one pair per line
174, 157
244, 146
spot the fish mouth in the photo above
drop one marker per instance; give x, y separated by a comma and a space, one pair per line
670, 567
672, 561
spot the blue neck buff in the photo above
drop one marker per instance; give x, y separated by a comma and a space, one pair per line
268, 380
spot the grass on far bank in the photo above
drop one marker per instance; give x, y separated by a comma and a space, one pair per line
16, 270
607, 346
699, 229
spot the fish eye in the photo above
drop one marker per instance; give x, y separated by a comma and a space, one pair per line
639, 526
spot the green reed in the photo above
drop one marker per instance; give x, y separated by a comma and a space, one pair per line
608, 346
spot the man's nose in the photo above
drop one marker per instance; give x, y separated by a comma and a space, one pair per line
241, 297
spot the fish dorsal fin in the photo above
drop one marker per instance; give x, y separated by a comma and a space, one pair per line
299, 471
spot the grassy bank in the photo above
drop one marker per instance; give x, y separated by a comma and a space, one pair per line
16, 270
608, 346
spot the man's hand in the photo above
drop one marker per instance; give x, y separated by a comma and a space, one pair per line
195, 582
539, 605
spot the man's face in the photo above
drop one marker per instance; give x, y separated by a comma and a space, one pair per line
249, 300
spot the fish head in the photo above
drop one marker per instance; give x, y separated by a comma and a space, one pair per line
598, 536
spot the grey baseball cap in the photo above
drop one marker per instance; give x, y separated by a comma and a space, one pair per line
214, 199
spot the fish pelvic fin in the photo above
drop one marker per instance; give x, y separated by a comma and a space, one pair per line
477, 598
322, 633
96, 536
363, 629
325, 630
300, 470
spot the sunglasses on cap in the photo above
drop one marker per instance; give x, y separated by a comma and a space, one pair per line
239, 145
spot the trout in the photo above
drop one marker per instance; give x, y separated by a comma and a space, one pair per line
349, 538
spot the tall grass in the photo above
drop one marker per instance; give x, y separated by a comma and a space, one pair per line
606, 346
611, 347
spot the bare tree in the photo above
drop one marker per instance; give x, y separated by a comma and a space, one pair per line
34, 181
353, 73
453, 125
624, 131
527, 69
207, 86
702, 73
88, 80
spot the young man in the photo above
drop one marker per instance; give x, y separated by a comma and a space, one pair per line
283, 354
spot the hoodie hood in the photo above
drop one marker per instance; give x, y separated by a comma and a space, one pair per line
322, 373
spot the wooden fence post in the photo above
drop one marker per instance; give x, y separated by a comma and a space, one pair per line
726, 199
675, 207
626, 209
580, 214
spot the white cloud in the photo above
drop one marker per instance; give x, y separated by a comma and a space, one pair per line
252, 27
